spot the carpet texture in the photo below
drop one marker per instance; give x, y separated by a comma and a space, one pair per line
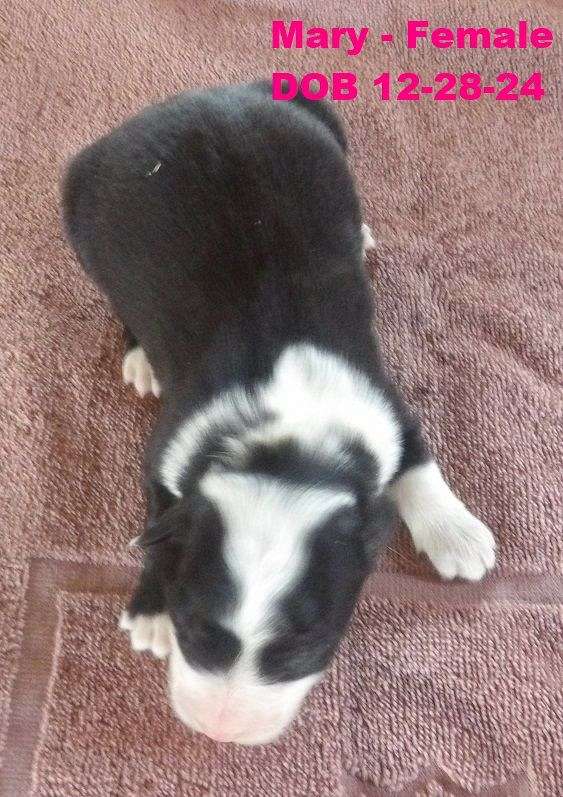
437, 689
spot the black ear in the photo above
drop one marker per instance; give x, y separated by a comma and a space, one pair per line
159, 502
159, 499
172, 518
172, 522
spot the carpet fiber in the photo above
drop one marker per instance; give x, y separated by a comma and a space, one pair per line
437, 689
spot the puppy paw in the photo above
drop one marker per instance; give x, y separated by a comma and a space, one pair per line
457, 544
150, 632
137, 371
367, 238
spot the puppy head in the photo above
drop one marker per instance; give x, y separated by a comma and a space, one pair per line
261, 575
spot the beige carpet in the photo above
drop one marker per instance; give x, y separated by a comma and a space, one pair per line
437, 689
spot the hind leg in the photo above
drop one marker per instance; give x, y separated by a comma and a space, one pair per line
137, 370
367, 239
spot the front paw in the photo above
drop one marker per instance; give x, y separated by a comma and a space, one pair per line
367, 239
137, 371
457, 544
150, 632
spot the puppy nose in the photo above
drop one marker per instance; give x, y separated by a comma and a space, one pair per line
219, 734
248, 736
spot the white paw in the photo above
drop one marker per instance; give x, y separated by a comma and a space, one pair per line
457, 544
455, 541
367, 238
137, 371
148, 632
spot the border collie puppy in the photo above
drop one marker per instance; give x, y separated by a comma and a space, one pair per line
225, 229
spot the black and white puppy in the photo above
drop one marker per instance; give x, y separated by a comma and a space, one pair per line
225, 229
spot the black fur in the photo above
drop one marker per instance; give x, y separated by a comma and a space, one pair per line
313, 617
252, 219
223, 227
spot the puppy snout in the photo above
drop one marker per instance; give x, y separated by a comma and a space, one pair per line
236, 707
249, 725
241, 730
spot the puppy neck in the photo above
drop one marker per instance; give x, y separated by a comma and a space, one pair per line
313, 398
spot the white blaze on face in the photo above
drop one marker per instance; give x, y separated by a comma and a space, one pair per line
267, 526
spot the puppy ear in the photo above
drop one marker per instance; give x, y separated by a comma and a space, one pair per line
159, 499
172, 521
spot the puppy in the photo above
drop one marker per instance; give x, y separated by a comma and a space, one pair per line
225, 229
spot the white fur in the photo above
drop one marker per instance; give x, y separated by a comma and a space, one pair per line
268, 527
313, 390
368, 239
455, 541
317, 398
149, 632
137, 371
184, 444
233, 708
310, 392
